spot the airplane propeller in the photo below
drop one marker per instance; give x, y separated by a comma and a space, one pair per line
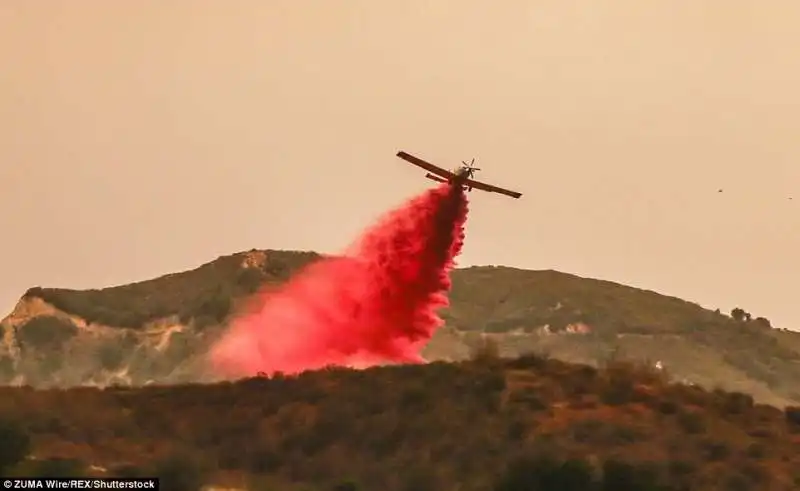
471, 165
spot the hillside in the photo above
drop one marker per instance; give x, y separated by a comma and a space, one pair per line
481, 425
158, 330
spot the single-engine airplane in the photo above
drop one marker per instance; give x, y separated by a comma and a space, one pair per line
461, 175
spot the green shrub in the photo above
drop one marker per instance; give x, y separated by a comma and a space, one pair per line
180, 472
46, 331
692, 422
792, 415
15, 444
58, 467
623, 476
546, 474
348, 485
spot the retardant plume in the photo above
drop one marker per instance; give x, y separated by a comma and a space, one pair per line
375, 303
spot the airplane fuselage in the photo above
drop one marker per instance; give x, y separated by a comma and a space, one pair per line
462, 174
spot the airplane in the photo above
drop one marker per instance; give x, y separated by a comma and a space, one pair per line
461, 175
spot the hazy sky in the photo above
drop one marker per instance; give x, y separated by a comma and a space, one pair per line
144, 137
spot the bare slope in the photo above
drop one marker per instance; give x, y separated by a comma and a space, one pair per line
157, 330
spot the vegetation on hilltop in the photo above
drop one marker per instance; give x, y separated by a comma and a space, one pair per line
487, 424
501, 299
205, 294
485, 298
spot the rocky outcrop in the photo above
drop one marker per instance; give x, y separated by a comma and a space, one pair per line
45, 346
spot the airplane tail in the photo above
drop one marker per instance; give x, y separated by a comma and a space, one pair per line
435, 178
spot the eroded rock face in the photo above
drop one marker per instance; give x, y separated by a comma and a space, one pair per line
51, 350
43, 346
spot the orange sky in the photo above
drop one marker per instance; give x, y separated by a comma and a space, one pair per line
140, 138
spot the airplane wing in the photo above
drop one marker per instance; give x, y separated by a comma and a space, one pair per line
425, 165
492, 189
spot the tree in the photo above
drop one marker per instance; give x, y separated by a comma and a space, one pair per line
622, 476
15, 445
59, 467
250, 279
346, 485
485, 349
544, 474
739, 315
181, 472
